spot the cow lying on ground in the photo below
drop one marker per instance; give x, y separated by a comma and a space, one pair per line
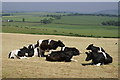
29, 51
95, 49
99, 58
20, 53
46, 45
64, 55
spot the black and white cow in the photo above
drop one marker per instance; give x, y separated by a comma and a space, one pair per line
95, 49
30, 51
20, 53
64, 55
99, 58
46, 45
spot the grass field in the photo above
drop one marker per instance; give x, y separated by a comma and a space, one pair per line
85, 26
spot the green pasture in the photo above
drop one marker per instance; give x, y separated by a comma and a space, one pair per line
85, 26
27, 18
86, 20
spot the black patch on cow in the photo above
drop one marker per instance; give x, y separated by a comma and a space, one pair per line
22, 52
9, 55
73, 50
65, 55
46, 46
94, 48
38, 52
98, 58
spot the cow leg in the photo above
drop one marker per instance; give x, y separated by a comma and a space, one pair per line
68, 59
50, 51
41, 53
74, 60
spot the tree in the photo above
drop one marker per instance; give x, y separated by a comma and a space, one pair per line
23, 20
111, 23
46, 21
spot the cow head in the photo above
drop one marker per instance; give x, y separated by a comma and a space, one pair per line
24, 49
89, 56
73, 50
60, 43
89, 47
30, 47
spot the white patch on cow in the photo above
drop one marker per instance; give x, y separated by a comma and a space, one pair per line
48, 55
53, 50
100, 49
14, 53
63, 48
35, 52
98, 64
74, 60
26, 54
50, 51
104, 55
23, 57
49, 41
27, 46
40, 41
33, 45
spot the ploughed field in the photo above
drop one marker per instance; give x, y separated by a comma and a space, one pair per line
40, 68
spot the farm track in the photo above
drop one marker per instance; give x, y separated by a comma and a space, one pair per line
39, 68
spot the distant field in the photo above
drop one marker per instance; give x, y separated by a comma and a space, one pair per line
85, 26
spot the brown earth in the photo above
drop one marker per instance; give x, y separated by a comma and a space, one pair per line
39, 68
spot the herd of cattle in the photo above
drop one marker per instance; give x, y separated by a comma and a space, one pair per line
96, 54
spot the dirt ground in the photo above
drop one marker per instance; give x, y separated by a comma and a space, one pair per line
39, 68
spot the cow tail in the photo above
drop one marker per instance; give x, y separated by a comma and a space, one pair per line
17, 57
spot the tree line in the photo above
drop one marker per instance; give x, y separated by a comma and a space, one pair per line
111, 23
78, 14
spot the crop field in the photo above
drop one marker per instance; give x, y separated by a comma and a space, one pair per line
82, 26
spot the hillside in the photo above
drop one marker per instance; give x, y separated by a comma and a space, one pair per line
111, 12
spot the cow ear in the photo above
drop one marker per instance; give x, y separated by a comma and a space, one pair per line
86, 53
58, 40
24, 47
91, 44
